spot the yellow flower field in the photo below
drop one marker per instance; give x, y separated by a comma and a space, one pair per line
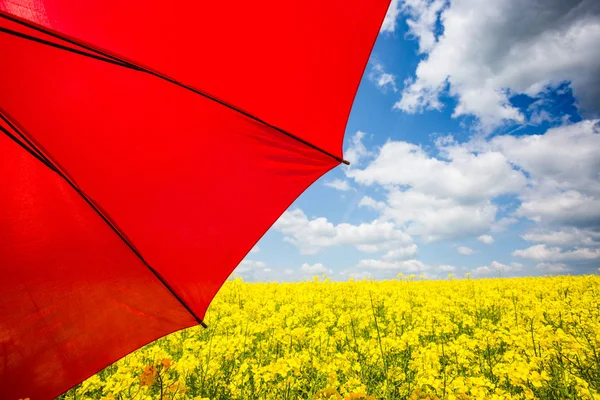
400, 339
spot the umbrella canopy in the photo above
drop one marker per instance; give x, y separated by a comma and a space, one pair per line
146, 146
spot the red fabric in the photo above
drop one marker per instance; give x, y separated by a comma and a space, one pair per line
190, 183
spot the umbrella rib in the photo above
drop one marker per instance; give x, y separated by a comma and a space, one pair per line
29, 150
66, 48
30, 147
115, 60
33, 150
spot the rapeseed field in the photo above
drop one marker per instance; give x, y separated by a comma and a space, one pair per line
406, 338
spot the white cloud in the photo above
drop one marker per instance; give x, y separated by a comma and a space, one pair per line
451, 195
389, 22
496, 268
447, 268
482, 271
439, 198
405, 266
383, 80
386, 269
465, 251
564, 158
446, 199
258, 271
569, 207
563, 192
312, 236
491, 50
370, 202
357, 151
568, 237
315, 269
361, 275
401, 253
255, 249
423, 15
339, 184
251, 269
486, 239
248, 265
564, 169
435, 218
538, 114
465, 175
503, 224
541, 252
553, 268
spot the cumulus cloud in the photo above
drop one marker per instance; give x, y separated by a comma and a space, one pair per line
339, 184
248, 265
255, 249
569, 207
405, 266
361, 275
465, 175
486, 239
252, 270
550, 268
541, 252
386, 269
314, 269
555, 177
389, 22
496, 268
258, 271
356, 151
438, 198
465, 251
370, 202
447, 268
568, 237
564, 169
401, 253
383, 80
520, 47
312, 236
565, 157
435, 219
503, 224
422, 18
562, 195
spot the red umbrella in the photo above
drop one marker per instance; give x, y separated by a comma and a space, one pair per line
146, 146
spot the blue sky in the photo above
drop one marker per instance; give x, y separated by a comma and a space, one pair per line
474, 146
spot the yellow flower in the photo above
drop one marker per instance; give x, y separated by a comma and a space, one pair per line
327, 394
425, 339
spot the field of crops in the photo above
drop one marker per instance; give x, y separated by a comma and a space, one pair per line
400, 339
